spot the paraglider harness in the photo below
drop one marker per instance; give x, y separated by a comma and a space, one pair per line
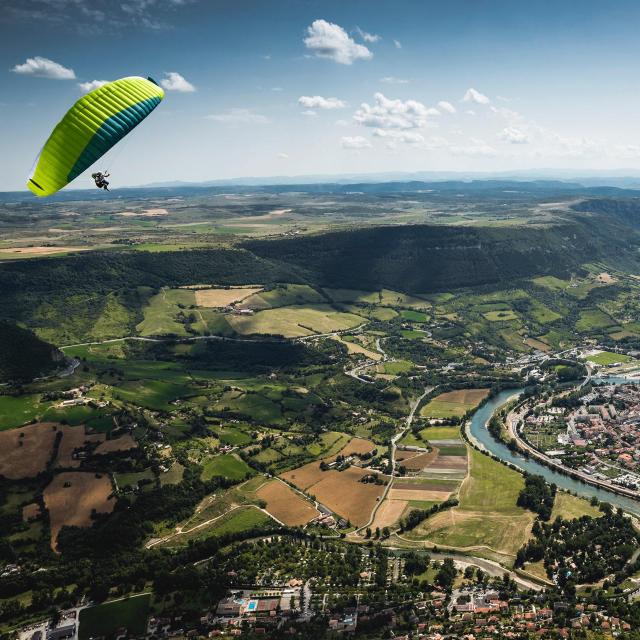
99, 179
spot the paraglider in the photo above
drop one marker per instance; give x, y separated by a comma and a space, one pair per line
93, 125
100, 180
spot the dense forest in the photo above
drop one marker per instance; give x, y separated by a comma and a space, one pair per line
23, 356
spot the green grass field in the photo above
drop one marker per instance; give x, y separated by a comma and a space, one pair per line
414, 316
607, 357
153, 394
226, 466
15, 411
593, 319
161, 312
105, 619
397, 367
440, 433
453, 404
291, 322
500, 316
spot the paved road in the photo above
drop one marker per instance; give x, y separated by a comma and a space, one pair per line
394, 440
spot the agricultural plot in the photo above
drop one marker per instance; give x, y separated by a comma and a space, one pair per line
72, 496
226, 466
606, 358
15, 411
218, 298
161, 313
454, 403
341, 491
123, 443
354, 347
284, 296
501, 316
292, 322
73, 438
26, 451
285, 504
593, 319
105, 619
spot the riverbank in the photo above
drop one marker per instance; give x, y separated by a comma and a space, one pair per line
478, 435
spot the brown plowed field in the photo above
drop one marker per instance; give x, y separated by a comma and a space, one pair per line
285, 504
72, 505
123, 443
26, 450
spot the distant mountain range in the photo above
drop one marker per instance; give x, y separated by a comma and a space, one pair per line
500, 187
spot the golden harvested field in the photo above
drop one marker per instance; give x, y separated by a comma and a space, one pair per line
216, 298
73, 438
39, 251
72, 495
354, 347
26, 450
454, 403
305, 476
285, 504
357, 446
344, 494
389, 513
123, 443
458, 463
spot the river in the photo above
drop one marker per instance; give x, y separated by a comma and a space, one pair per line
480, 432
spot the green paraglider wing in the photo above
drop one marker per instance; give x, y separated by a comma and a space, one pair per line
90, 128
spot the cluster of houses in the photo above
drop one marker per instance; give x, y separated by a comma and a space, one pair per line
604, 431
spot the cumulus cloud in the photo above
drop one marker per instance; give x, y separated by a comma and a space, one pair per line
282, 156
408, 137
515, 136
175, 82
329, 40
393, 80
318, 102
309, 112
354, 142
238, 116
44, 68
90, 86
475, 149
446, 106
368, 37
394, 114
475, 96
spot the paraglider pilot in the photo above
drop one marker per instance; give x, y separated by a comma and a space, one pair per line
100, 180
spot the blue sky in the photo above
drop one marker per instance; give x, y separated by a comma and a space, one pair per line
295, 87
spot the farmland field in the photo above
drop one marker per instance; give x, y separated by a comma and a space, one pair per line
226, 466
607, 357
454, 403
291, 322
71, 497
106, 618
27, 450
223, 297
285, 504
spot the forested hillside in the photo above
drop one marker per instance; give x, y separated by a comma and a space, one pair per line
23, 356
423, 258
626, 210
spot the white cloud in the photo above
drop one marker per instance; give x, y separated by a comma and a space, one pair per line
368, 37
394, 114
408, 137
238, 116
475, 96
282, 156
277, 89
90, 86
393, 80
515, 136
329, 40
470, 112
475, 149
309, 112
354, 142
318, 102
175, 82
44, 68
342, 123
446, 106
397, 44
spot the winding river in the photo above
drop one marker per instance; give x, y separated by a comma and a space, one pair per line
480, 432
